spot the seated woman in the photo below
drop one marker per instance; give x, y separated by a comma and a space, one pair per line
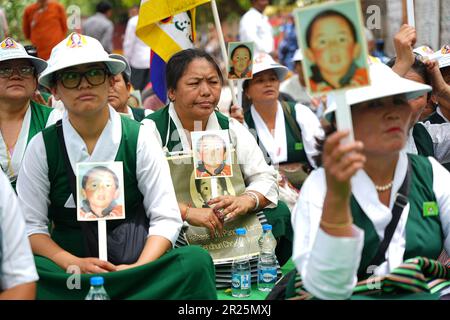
18, 274
20, 117
342, 220
141, 264
285, 131
194, 83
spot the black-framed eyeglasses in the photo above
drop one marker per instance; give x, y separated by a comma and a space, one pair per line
72, 79
23, 71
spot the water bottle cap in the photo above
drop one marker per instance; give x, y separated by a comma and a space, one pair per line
97, 281
241, 231
267, 227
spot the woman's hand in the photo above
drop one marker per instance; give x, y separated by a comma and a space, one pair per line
404, 42
94, 265
207, 218
440, 88
341, 162
232, 206
237, 113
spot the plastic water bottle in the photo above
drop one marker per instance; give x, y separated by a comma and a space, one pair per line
240, 271
97, 291
267, 262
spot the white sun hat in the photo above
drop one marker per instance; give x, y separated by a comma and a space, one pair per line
11, 50
298, 55
264, 61
75, 50
384, 83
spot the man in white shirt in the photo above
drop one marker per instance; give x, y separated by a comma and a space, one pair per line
255, 26
138, 54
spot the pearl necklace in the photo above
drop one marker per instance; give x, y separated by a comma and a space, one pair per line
385, 187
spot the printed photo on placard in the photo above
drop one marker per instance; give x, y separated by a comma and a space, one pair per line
100, 191
240, 60
333, 42
212, 154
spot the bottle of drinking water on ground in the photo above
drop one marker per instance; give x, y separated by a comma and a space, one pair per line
97, 291
267, 262
240, 270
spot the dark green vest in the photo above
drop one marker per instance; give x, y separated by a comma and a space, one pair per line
66, 230
423, 141
435, 118
165, 125
295, 149
39, 118
424, 236
138, 114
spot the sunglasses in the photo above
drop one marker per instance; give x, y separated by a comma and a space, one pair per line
72, 79
23, 71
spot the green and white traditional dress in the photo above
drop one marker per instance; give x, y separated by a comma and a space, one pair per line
258, 176
430, 140
138, 114
36, 118
45, 196
331, 266
283, 146
437, 117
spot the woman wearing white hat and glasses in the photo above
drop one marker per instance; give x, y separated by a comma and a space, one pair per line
80, 73
344, 209
20, 117
286, 131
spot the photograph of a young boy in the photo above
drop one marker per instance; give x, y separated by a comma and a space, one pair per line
333, 47
100, 191
240, 61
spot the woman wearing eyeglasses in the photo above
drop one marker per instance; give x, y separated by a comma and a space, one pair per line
20, 117
81, 76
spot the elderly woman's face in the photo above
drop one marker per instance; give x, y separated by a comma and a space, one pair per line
198, 90
382, 124
263, 87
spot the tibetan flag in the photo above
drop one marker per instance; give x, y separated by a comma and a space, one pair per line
167, 26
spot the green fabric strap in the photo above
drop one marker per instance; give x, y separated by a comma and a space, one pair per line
66, 231
435, 118
39, 118
423, 141
138, 114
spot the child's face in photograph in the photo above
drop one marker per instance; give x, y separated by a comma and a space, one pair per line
332, 47
241, 59
100, 190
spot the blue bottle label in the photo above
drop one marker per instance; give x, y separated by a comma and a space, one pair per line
236, 281
240, 281
267, 275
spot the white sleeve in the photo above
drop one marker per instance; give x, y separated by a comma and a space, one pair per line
129, 40
33, 187
16, 259
441, 178
258, 175
248, 32
54, 116
311, 128
440, 134
154, 182
328, 265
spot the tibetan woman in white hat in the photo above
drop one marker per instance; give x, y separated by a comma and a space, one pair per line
285, 131
80, 74
20, 117
344, 230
